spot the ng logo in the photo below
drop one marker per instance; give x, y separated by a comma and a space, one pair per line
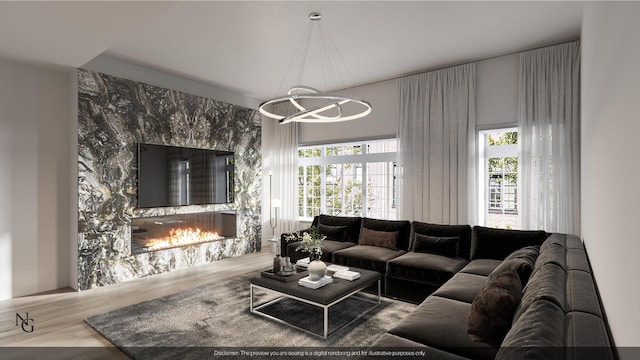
24, 322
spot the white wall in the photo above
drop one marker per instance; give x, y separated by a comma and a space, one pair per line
381, 123
35, 179
610, 170
497, 105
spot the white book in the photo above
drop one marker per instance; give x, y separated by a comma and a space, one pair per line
335, 268
347, 275
303, 262
315, 284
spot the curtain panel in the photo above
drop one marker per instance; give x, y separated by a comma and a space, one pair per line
436, 145
549, 124
284, 165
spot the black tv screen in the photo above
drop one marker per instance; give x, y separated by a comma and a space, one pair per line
178, 176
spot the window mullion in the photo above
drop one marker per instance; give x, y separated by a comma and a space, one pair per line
365, 200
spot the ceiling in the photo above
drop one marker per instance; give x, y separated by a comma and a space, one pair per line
248, 46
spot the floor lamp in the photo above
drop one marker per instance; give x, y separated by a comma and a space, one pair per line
273, 220
275, 203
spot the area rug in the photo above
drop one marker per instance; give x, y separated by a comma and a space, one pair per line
216, 316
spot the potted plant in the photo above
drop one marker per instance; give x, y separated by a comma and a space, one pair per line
311, 242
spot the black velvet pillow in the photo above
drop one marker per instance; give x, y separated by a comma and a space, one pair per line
445, 246
336, 233
492, 309
385, 239
352, 223
522, 260
497, 244
461, 231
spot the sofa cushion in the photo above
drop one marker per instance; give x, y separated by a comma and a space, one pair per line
546, 283
577, 260
552, 253
492, 310
461, 231
328, 248
581, 293
481, 266
335, 233
385, 239
587, 331
424, 268
442, 323
573, 242
462, 287
538, 334
439, 245
521, 260
401, 226
366, 257
353, 224
488, 243
521, 266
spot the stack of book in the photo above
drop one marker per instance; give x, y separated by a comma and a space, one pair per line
315, 284
346, 275
333, 268
303, 262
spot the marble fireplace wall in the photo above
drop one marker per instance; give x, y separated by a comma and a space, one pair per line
113, 115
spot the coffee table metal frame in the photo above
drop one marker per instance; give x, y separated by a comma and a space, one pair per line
256, 309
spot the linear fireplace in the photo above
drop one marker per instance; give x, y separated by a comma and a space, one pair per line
170, 231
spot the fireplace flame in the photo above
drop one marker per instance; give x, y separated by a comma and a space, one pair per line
182, 237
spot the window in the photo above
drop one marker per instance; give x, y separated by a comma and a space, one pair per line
499, 178
353, 179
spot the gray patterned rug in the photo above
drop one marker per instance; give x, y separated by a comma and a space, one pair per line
216, 316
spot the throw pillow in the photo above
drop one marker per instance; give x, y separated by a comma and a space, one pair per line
522, 260
445, 246
336, 233
385, 239
521, 266
492, 309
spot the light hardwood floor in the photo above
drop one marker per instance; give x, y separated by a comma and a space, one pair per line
58, 315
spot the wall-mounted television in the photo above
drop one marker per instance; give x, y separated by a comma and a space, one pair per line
178, 176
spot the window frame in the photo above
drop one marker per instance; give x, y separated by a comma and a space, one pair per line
363, 159
488, 152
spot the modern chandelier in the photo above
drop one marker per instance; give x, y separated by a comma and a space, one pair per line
311, 105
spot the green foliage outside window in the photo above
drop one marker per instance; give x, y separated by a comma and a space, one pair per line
508, 166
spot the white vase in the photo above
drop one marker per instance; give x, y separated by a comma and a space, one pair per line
317, 269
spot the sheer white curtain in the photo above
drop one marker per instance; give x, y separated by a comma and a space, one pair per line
284, 166
436, 137
549, 123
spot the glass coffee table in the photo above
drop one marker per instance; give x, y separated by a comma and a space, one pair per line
324, 297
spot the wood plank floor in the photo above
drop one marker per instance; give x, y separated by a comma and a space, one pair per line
58, 315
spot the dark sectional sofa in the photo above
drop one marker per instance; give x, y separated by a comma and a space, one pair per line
406, 274
559, 314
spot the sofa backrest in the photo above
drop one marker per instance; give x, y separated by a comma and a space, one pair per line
438, 230
402, 226
352, 223
560, 312
497, 244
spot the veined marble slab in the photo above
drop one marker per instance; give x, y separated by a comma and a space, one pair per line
114, 114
